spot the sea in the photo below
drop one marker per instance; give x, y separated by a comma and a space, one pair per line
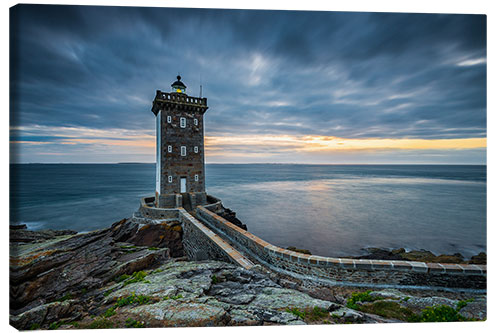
331, 210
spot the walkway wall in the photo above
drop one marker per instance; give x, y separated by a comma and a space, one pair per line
339, 271
201, 243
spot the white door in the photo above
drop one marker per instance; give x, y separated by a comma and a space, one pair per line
183, 184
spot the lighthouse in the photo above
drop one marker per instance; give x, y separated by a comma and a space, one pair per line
180, 149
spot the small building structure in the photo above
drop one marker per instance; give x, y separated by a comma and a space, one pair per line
180, 150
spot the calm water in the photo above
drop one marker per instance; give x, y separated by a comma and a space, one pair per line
328, 209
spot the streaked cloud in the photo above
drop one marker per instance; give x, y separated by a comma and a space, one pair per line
472, 62
83, 79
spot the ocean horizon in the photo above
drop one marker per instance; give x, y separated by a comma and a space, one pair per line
329, 209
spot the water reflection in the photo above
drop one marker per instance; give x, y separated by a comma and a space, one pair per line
340, 216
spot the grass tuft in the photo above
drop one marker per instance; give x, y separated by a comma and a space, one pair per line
101, 323
388, 309
136, 277
310, 315
131, 323
360, 297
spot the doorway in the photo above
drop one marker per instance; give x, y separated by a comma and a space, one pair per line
183, 184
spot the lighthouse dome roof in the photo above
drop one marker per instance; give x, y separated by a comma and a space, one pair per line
178, 83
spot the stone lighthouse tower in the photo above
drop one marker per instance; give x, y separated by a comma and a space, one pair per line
180, 150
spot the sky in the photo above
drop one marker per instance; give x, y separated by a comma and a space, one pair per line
282, 86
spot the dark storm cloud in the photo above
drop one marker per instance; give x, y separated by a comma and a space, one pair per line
351, 75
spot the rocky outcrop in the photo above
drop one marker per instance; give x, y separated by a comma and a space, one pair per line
19, 233
65, 266
420, 255
133, 274
230, 215
211, 293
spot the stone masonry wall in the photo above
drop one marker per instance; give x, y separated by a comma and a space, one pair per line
201, 243
355, 272
209, 236
157, 213
197, 245
174, 166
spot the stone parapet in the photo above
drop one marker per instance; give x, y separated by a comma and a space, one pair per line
180, 101
209, 236
148, 210
340, 271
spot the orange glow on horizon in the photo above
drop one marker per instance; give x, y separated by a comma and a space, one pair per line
331, 143
237, 147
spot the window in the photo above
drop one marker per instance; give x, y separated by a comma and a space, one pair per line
169, 149
169, 179
195, 122
183, 122
183, 150
169, 119
195, 178
196, 149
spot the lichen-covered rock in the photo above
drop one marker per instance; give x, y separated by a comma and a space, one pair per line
243, 318
115, 276
475, 309
275, 298
389, 293
211, 293
420, 303
46, 314
182, 313
347, 315
71, 265
19, 234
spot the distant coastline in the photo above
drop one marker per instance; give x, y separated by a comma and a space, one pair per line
216, 163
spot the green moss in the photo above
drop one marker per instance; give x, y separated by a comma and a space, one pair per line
173, 297
109, 312
35, 327
215, 279
121, 278
360, 297
131, 323
137, 277
387, 309
75, 324
54, 325
101, 323
310, 315
316, 314
124, 301
440, 313
391, 309
296, 312
153, 248
461, 304
132, 299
